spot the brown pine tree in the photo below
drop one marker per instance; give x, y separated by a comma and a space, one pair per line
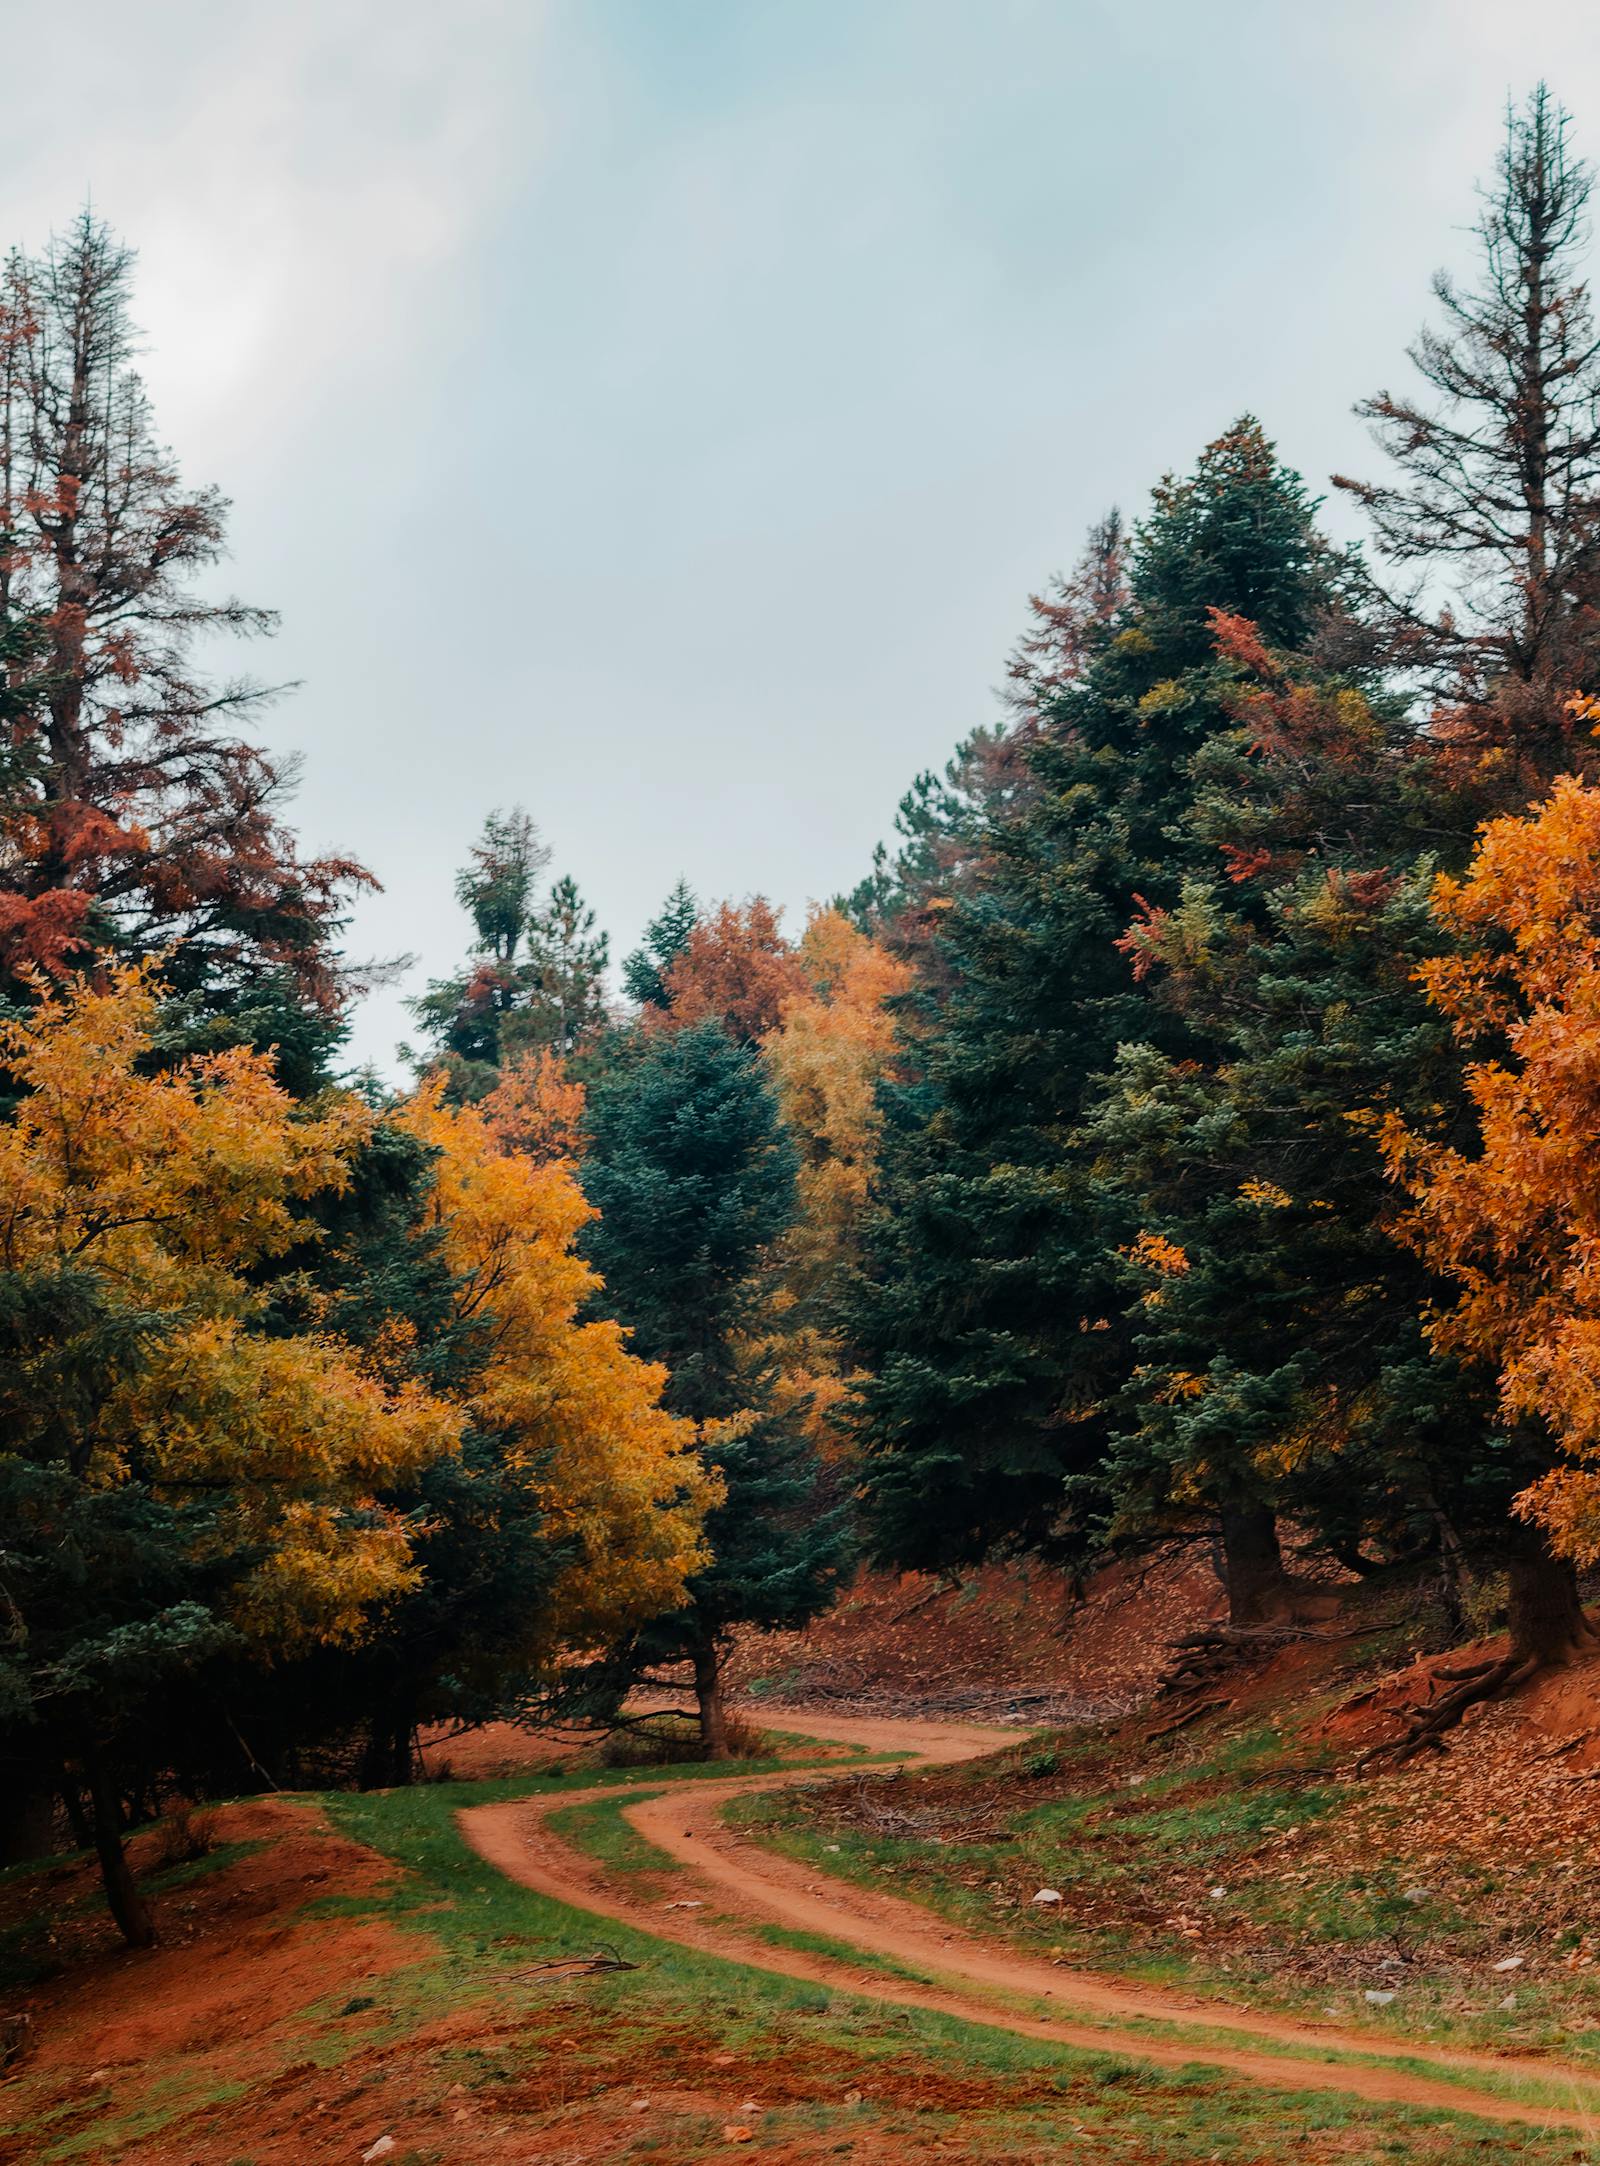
1492, 521
132, 814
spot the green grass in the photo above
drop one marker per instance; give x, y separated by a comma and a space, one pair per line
837, 1951
1101, 1840
477, 1936
483, 1922
600, 1832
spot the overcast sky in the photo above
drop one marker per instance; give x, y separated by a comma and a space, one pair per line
656, 412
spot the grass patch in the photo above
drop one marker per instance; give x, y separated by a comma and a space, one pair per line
924, 2076
837, 1951
601, 1833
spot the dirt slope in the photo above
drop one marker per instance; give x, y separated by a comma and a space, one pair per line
1006, 1640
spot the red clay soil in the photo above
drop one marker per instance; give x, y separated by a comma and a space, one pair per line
1006, 1640
210, 2004
228, 1966
737, 1884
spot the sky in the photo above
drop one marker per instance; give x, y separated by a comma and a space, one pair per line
656, 413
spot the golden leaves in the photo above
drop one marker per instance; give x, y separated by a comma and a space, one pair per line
171, 1186
613, 1472
1516, 1223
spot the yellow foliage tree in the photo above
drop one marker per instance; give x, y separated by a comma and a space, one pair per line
172, 1475
826, 1059
616, 1476
536, 1108
171, 1187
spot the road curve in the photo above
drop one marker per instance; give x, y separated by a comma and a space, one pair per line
737, 1883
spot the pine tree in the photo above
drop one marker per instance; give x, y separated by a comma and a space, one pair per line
943, 820
694, 1179
536, 981
567, 971
131, 815
645, 972
993, 1315
1495, 508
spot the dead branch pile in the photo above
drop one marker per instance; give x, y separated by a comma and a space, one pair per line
870, 1807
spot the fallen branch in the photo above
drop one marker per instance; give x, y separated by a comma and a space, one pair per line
1190, 1714
605, 1958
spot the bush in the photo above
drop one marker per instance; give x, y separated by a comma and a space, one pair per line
665, 1740
187, 1833
672, 1739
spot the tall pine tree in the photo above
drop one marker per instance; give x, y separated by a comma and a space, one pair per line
694, 1178
993, 1315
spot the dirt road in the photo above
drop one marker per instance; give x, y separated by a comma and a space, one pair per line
737, 1883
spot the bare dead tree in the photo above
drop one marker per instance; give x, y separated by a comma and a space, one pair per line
1492, 520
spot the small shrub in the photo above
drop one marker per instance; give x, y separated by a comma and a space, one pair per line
745, 1740
672, 1739
188, 1832
665, 1740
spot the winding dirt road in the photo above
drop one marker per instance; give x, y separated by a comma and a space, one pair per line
730, 1884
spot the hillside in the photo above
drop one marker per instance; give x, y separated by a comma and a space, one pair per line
342, 1977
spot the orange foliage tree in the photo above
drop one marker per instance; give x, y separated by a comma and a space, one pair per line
536, 1108
1514, 1220
736, 969
825, 1060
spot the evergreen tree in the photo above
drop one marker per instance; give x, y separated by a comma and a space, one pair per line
992, 1314
1491, 519
944, 819
132, 816
536, 981
694, 1179
1281, 1323
645, 973
566, 998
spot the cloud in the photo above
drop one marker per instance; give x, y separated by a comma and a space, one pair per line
292, 175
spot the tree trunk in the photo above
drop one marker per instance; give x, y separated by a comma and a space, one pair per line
1543, 1612
128, 1906
77, 1818
386, 1756
1258, 1585
708, 1692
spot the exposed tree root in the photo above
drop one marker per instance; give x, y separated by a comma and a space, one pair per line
1480, 1681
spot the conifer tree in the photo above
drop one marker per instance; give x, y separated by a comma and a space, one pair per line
536, 982
132, 816
1277, 1313
694, 1179
992, 1315
645, 972
1491, 520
